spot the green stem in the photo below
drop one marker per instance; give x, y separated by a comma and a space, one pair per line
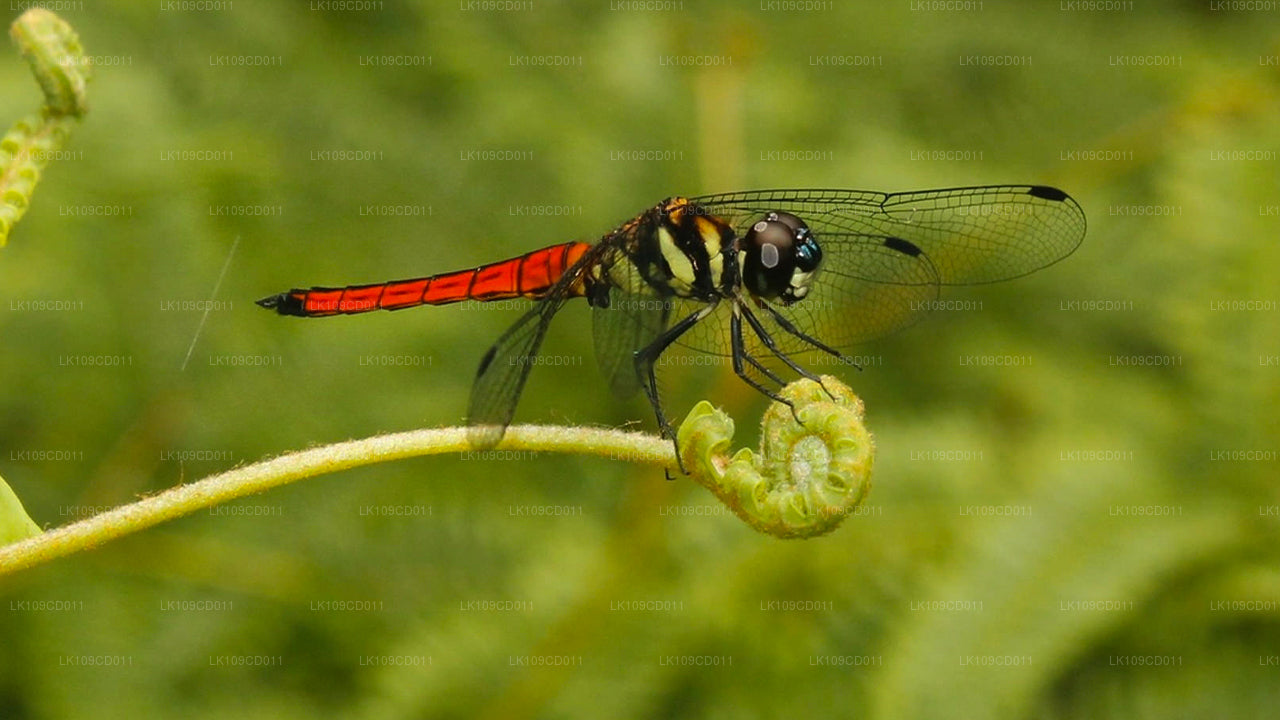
809, 475
261, 476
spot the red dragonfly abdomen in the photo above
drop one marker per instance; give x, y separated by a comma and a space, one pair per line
531, 275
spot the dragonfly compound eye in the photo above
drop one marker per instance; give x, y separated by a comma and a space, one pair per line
781, 256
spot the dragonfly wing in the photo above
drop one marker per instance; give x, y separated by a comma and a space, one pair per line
505, 367
972, 235
866, 289
886, 254
630, 322
503, 372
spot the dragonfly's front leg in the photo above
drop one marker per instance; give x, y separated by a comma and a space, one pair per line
646, 357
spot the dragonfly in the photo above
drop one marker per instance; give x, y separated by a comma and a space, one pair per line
762, 277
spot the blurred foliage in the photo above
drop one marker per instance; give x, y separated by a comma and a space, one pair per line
113, 259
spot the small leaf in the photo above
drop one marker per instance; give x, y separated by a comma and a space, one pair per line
15, 524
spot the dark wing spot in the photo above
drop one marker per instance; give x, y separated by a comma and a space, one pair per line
1047, 193
905, 247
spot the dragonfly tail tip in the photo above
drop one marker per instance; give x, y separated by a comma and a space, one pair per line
283, 303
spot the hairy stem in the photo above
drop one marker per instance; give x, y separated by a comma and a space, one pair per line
813, 469
261, 476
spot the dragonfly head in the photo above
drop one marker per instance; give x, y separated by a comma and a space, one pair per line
782, 258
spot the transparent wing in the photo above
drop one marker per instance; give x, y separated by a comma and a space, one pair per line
971, 235
629, 323
886, 255
505, 367
864, 290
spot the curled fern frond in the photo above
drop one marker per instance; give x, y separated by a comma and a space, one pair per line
53, 49
808, 476
24, 151
57, 58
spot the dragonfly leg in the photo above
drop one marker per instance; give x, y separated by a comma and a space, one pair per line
769, 343
792, 330
740, 353
648, 355
735, 325
763, 369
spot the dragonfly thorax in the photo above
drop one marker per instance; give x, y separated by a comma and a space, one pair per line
780, 257
678, 248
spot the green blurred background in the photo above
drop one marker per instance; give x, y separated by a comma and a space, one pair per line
1075, 536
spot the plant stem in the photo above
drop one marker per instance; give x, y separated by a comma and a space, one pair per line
261, 476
